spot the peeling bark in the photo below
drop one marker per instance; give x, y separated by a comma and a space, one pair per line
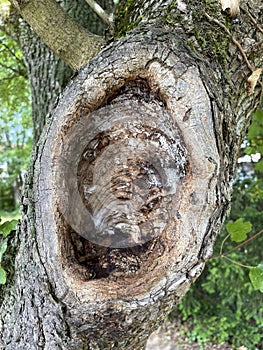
131, 182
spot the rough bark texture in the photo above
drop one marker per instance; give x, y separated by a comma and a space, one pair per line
64, 35
48, 74
173, 94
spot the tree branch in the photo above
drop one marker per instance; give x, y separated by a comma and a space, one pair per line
243, 243
70, 41
20, 72
108, 19
12, 54
222, 255
252, 19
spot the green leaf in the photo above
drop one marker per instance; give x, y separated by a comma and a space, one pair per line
259, 166
256, 277
2, 250
238, 230
7, 227
2, 275
249, 150
255, 128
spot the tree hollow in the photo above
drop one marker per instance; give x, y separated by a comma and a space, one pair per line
128, 184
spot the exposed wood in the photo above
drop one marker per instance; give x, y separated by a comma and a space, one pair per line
173, 92
74, 44
114, 297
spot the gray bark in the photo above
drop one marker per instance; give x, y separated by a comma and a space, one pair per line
48, 74
169, 104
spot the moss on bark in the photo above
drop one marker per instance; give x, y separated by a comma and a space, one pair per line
124, 22
211, 39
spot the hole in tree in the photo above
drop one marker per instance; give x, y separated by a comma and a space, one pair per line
87, 260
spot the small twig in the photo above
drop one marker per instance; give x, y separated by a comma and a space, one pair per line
221, 25
261, 30
12, 53
243, 243
253, 20
17, 71
222, 244
9, 78
236, 262
222, 255
108, 19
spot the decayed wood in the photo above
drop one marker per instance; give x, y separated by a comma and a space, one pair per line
125, 286
71, 293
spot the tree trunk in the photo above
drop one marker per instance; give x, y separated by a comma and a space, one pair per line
132, 178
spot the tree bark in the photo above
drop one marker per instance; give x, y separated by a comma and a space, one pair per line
48, 74
132, 178
64, 35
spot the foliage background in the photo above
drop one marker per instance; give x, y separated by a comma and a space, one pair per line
222, 305
15, 121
